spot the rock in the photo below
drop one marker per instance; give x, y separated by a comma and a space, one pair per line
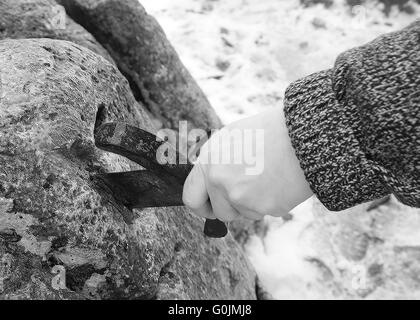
43, 19
57, 218
142, 52
262, 293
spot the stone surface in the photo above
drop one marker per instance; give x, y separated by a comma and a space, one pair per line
142, 52
54, 213
43, 19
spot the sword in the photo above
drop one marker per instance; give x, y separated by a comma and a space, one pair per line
160, 185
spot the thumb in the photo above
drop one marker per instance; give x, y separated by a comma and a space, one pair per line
195, 195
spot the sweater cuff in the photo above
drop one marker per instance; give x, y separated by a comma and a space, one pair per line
324, 134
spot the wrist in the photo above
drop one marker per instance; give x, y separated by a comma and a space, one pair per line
295, 176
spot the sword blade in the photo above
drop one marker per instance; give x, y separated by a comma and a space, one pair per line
142, 189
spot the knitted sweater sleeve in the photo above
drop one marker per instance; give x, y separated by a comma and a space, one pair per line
356, 128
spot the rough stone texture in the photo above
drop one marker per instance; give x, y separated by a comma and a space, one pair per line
157, 76
142, 52
43, 19
370, 252
52, 210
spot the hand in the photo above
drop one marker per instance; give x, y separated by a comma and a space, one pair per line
272, 184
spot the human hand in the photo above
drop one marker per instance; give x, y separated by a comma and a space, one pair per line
224, 185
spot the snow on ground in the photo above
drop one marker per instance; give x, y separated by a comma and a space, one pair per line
244, 53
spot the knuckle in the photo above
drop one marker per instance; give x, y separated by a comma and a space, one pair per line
256, 209
251, 215
265, 211
215, 177
267, 208
188, 201
236, 196
225, 216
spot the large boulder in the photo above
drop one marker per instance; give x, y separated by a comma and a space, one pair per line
53, 213
142, 52
157, 77
25, 19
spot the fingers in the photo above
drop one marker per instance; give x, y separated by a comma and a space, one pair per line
195, 194
209, 201
222, 209
249, 214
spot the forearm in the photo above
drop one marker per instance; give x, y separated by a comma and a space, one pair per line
355, 129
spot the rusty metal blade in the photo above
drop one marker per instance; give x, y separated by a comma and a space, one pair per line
160, 185
142, 189
142, 147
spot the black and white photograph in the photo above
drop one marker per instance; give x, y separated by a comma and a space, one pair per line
209, 157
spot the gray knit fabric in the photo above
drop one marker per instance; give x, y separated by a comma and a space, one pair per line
356, 128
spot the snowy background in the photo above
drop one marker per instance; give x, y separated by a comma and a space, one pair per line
244, 53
